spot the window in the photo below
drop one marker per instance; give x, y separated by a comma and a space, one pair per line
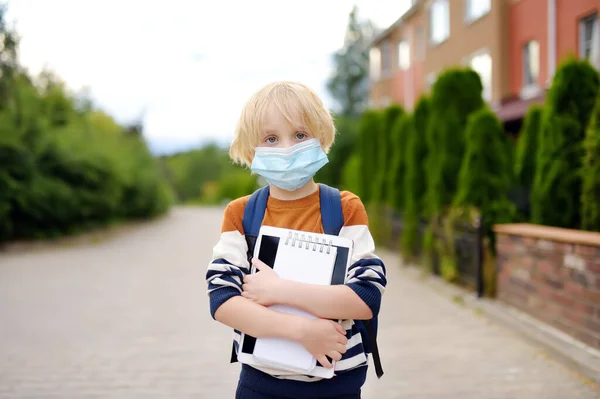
386, 59
374, 63
420, 44
475, 9
588, 39
531, 63
439, 21
482, 64
403, 54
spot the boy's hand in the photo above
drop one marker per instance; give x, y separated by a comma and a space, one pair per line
323, 338
262, 287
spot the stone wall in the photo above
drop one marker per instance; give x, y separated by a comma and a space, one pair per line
552, 274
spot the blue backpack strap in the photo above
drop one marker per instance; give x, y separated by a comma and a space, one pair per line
332, 216
255, 211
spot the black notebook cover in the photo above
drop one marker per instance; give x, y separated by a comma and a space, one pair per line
268, 253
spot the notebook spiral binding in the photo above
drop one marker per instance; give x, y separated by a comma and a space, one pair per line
306, 240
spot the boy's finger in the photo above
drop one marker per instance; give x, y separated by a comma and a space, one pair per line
341, 348
340, 328
324, 362
258, 263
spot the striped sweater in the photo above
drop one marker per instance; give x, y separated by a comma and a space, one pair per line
366, 275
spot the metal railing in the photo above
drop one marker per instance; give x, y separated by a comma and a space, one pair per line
468, 249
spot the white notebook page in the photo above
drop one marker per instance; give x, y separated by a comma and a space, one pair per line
312, 265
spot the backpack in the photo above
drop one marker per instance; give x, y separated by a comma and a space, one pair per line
332, 219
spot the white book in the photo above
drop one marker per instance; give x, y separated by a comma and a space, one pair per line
304, 257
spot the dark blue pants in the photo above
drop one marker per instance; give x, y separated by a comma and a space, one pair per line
247, 393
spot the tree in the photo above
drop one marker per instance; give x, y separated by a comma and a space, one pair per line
345, 145
557, 186
525, 161
590, 197
526, 147
385, 149
485, 175
402, 130
414, 181
455, 95
349, 85
369, 128
8, 59
65, 167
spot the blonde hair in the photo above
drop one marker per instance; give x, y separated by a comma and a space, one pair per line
288, 97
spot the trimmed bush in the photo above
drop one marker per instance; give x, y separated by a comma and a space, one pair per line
557, 187
485, 176
346, 143
414, 180
351, 174
455, 95
590, 198
386, 148
527, 144
525, 162
401, 132
369, 132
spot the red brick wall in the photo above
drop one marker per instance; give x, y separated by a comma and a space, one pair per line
528, 20
556, 282
568, 14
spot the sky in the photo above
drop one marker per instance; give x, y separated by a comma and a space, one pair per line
186, 68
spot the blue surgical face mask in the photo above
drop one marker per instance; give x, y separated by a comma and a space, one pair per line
289, 168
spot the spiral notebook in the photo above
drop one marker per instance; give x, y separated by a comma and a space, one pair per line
304, 257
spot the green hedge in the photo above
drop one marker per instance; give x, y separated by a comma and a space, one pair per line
527, 145
64, 165
590, 197
485, 176
400, 135
369, 132
386, 149
556, 194
346, 142
415, 186
455, 95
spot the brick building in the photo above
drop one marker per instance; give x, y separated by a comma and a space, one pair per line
514, 45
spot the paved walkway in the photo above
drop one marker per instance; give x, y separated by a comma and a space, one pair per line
128, 318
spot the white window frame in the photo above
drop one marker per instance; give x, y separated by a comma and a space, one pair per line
530, 89
386, 67
404, 54
594, 56
438, 6
487, 85
375, 63
471, 15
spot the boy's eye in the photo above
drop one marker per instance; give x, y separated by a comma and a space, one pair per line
271, 140
301, 135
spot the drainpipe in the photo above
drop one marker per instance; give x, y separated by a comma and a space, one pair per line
551, 39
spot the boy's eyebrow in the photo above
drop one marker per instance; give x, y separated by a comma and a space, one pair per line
275, 131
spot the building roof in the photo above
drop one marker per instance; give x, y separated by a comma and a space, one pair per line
416, 4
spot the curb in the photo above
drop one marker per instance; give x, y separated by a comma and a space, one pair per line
569, 351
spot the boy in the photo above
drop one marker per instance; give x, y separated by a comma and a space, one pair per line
283, 134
